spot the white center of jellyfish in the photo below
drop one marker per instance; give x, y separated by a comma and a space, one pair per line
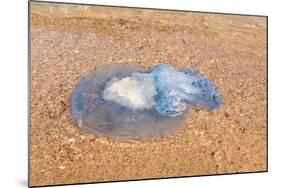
132, 92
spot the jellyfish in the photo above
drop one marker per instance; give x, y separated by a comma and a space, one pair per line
130, 102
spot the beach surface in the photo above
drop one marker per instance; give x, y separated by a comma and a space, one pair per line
68, 42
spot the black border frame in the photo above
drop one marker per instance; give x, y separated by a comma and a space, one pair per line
130, 180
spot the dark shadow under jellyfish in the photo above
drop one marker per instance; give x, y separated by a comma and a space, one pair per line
129, 102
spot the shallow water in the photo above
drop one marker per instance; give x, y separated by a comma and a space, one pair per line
229, 50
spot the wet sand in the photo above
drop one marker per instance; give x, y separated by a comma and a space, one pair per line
230, 50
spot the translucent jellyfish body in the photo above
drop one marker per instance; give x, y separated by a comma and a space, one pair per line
127, 102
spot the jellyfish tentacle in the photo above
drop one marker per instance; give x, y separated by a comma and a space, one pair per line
175, 89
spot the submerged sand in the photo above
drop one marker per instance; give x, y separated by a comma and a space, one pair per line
229, 49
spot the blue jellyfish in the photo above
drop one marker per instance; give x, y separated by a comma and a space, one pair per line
127, 102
